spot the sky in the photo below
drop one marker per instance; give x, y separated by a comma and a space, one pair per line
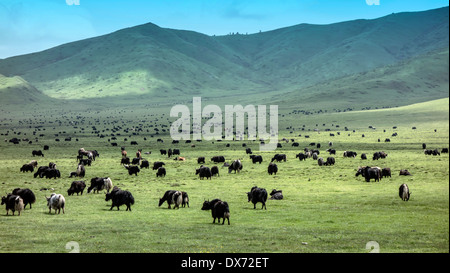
28, 26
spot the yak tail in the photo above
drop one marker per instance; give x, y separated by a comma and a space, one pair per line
131, 198
227, 208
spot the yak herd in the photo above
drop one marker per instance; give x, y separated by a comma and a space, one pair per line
20, 198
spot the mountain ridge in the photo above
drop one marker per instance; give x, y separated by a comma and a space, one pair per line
168, 64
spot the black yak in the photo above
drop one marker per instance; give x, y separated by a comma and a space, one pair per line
272, 169
76, 187
167, 197
257, 195
219, 209
256, 158
132, 169
203, 172
161, 172
26, 194
120, 197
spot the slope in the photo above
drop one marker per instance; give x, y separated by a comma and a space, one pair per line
147, 63
411, 81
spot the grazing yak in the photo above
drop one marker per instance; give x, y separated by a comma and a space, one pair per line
27, 196
272, 168
219, 209
201, 160
81, 170
50, 173
256, 158
218, 159
378, 155
40, 171
257, 195
248, 151
350, 154
330, 161
320, 161
125, 161
331, 151
120, 197
177, 199
76, 187
33, 163
167, 197
235, 166
37, 153
215, 171
56, 202
385, 172
136, 161
100, 183
276, 194
161, 172
404, 192
27, 168
163, 152
13, 202
157, 164
279, 158
203, 172
132, 169
301, 156
369, 173
145, 164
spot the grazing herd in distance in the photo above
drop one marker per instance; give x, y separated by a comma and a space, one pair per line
20, 198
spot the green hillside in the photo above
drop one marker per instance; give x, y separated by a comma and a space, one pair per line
343, 63
419, 79
15, 90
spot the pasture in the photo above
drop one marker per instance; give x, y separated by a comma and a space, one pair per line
326, 209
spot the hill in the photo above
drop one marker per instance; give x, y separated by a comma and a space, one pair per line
15, 90
147, 63
415, 80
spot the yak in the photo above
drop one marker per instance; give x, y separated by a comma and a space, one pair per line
257, 195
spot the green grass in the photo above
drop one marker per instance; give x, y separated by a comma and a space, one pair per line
328, 208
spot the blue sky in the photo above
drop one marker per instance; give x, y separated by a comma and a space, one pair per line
33, 25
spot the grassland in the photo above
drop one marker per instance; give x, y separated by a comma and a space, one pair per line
324, 210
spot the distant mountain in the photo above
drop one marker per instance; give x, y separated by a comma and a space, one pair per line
149, 63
